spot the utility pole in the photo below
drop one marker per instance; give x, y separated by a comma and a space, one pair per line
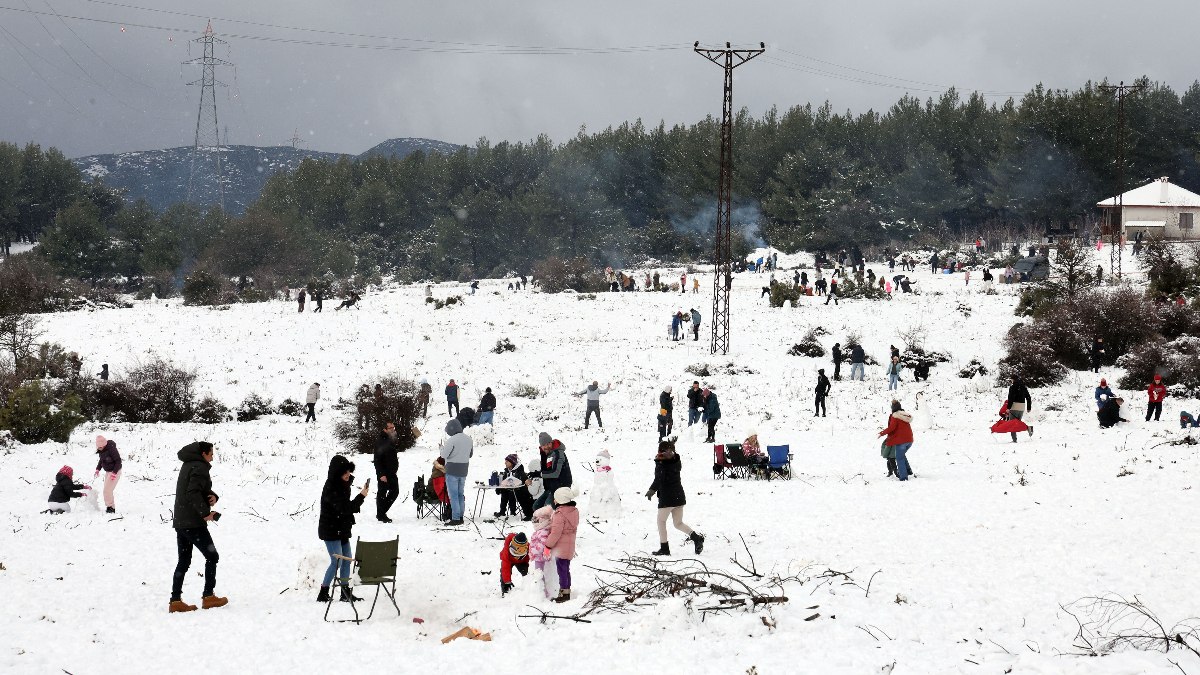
206, 181
295, 139
1116, 229
728, 59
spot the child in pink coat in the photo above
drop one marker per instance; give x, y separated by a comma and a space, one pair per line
538, 553
563, 526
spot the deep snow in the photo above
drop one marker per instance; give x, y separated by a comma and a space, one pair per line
979, 562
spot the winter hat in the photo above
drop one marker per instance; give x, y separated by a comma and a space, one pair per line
565, 494
1103, 382
512, 459
70, 473
1157, 378
519, 546
542, 516
545, 439
453, 427
667, 389
101, 442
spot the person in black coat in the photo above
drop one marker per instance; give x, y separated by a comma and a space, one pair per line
666, 405
1110, 413
509, 499
838, 357
194, 499
487, 407
822, 390
669, 488
1019, 402
65, 489
1098, 352
336, 521
695, 397
386, 465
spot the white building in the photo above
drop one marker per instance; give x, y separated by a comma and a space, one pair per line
1157, 208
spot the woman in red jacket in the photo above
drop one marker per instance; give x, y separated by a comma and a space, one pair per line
899, 438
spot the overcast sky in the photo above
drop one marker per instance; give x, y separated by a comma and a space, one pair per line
90, 87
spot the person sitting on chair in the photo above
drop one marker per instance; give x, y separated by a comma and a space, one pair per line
753, 452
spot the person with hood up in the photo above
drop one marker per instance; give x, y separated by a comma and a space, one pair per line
1110, 413
456, 449
104, 372
1103, 393
593, 393
487, 406
712, 413
335, 522
564, 524
310, 401
108, 460
858, 357
423, 396
671, 499
822, 391
1155, 394
65, 489
452, 398
676, 323
386, 465
514, 475
554, 469
194, 499
898, 439
514, 553
300, 298
695, 323
666, 406
1018, 402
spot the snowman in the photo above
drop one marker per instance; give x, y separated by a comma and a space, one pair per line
604, 501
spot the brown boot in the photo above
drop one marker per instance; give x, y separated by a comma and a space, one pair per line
211, 601
180, 606
564, 594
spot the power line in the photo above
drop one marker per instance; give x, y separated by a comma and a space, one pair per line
93, 51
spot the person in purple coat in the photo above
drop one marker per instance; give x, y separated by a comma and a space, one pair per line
108, 460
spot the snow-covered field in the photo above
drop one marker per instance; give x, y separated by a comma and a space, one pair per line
973, 565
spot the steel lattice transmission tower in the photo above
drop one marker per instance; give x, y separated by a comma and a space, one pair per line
1116, 218
722, 272
206, 181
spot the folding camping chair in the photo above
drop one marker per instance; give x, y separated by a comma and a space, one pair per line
426, 499
375, 562
740, 467
779, 461
721, 466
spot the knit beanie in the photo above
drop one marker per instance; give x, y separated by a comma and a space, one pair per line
519, 546
70, 473
542, 516
512, 459
565, 494
545, 439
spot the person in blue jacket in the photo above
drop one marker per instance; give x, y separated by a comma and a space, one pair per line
1103, 393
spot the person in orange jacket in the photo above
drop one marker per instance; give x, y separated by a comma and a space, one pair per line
1156, 392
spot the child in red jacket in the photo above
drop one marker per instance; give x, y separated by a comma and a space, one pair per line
1156, 392
514, 553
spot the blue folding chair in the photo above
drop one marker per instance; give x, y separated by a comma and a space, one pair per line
779, 461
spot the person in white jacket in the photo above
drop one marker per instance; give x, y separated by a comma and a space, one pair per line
314, 395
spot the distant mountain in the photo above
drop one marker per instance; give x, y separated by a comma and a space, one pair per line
161, 176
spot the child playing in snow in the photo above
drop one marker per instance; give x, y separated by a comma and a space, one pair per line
538, 553
1186, 420
561, 541
65, 488
514, 553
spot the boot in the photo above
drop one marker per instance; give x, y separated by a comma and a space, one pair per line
891, 466
111, 509
1031, 432
564, 594
663, 549
698, 540
212, 602
180, 606
323, 596
348, 595
445, 512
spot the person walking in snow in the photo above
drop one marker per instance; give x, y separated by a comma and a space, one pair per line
457, 449
452, 398
300, 298
671, 499
1018, 402
1155, 393
108, 460
318, 298
683, 282
822, 391
838, 357
335, 522
593, 393
310, 401
194, 499
554, 469
712, 413
423, 396
695, 325
564, 524
893, 373
666, 404
833, 291
858, 357
898, 439
65, 489
695, 284
387, 464
487, 406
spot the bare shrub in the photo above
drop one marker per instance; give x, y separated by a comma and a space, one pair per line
1031, 357
557, 274
397, 403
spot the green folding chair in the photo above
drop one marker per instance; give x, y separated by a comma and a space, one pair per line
375, 562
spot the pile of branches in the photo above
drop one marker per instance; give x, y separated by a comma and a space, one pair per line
1112, 623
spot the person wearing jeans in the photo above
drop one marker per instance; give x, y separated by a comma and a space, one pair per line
193, 512
899, 437
695, 403
858, 356
109, 460
456, 450
893, 373
336, 522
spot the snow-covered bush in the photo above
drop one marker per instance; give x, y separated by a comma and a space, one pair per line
699, 370
972, 369
158, 286
397, 403
33, 415
809, 346
290, 408
1178, 361
438, 304
523, 390
578, 274
253, 407
165, 392
208, 410
848, 289
781, 293
1030, 356
504, 345
1179, 320
28, 284
203, 288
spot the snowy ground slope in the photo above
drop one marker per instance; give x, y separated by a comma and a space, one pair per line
982, 561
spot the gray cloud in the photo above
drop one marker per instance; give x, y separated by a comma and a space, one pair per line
344, 99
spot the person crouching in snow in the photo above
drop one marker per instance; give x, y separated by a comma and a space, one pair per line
514, 553
671, 499
110, 461
65, 489
335, 522
1186, 420
1110, 413
561, 541
899, 438
538, 552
